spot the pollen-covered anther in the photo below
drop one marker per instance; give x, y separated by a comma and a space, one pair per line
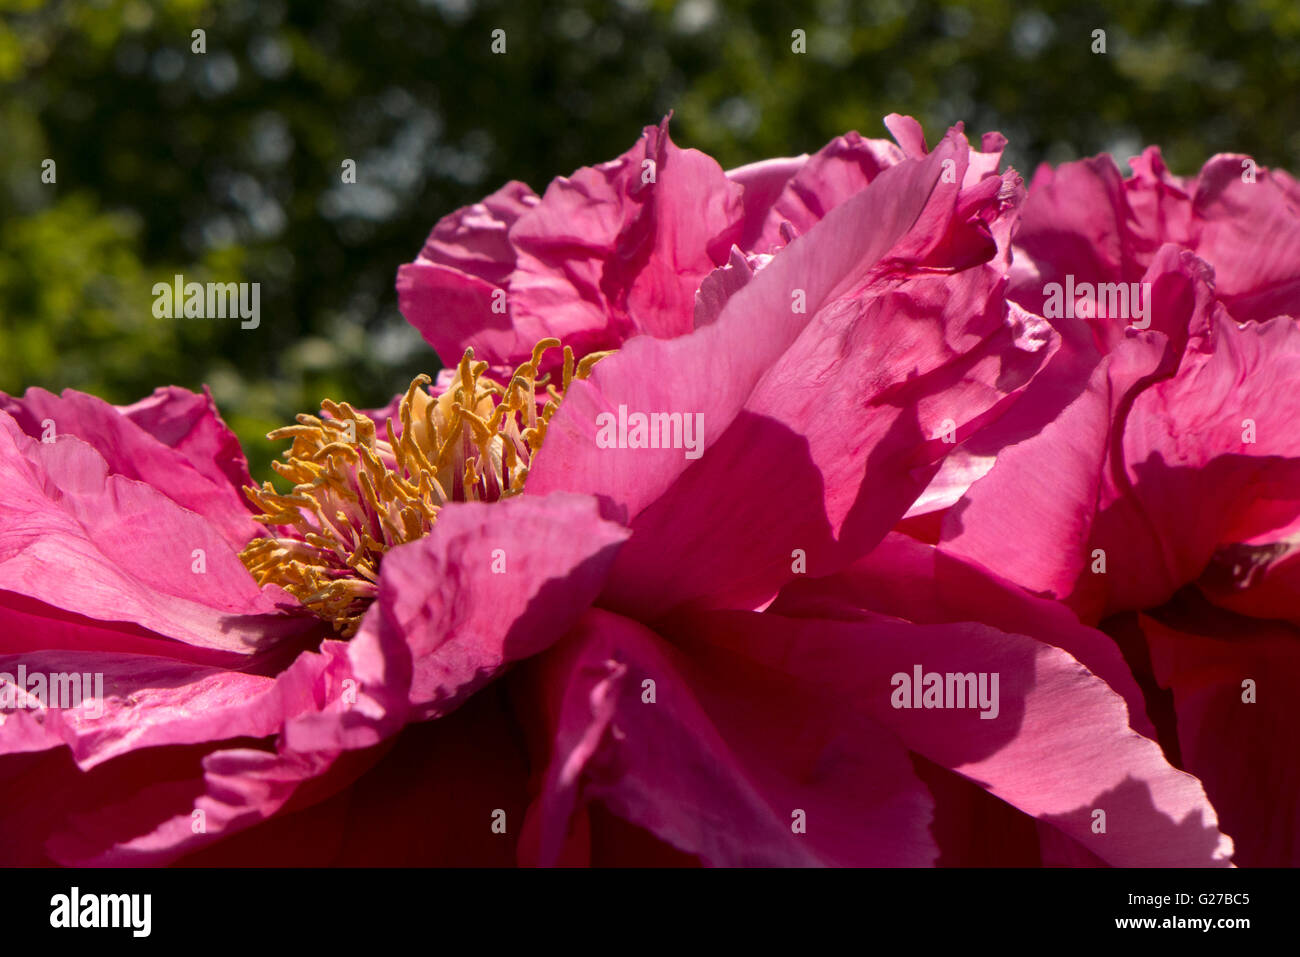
358, 491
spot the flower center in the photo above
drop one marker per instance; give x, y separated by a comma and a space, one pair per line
356, 494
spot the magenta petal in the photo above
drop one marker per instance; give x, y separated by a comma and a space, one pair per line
154, 824
975, 829
763, 182
736, 764
610, 252
847, 165
475, 239
1250, 233
142, 758
919, 583
46, 795
1160, 203
230, 789
438, 784
28, 625
1259, 581
405, 793
489, 585
189, 423
809, 410
433, 636
723, 283
908, 133
111, 548
1198, 481
619, 249
1241, 749
1059, 748
1077, 221
1032, 517
1083, 219
174, 440
448, 292
1067, 364
1082, 223
839, 170
150, 702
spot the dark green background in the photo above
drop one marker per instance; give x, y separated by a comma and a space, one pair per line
227, 165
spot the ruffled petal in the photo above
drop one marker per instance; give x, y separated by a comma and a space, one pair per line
174, 441
736, 764
491, 584
1250, 233
1058, 745
811, 410
1032, 516
919, 583
1233, 682
454, 293
75, 536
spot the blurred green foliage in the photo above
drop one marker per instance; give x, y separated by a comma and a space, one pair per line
226, 165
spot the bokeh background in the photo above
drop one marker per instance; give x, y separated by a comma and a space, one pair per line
226, 165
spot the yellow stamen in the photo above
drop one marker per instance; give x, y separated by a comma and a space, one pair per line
359, 491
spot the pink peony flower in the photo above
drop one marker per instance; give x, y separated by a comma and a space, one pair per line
560, 640
669, 701
439, 622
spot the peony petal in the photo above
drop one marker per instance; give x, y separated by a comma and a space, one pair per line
439, 788
46, 795
111, 548
1083, 219
144, 701
1198, 482
763, 183
778, 394
173, 440
842, 168
1250, 232
1077, 221
28, 625
475, 239
1031, 518
190, 424
227, 792
919, 583
620, 249
450, 291
490, 584
1241, 749
735, 764
1059, 748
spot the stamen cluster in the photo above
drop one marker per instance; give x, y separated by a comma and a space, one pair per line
357, 494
